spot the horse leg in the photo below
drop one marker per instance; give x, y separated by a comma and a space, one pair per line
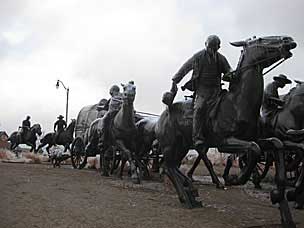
278, 195
209, 166
194, 166
297, 194
122, 166
228, 166
182, 183
300, 189
48, 150
134, 175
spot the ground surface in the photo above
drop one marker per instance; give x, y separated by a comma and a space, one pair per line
37, 195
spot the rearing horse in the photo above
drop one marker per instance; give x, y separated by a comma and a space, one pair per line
29, 139
233, 125
65, 138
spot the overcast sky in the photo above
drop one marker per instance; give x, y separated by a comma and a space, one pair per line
92, 44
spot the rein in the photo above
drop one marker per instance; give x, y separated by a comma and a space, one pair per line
257, 63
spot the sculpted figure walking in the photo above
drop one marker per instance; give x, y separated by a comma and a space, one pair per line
208, 66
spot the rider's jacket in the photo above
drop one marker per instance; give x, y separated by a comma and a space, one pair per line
207, 70
61, 125
268, 105
26, 124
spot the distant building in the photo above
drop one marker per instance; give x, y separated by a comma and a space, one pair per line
3, 140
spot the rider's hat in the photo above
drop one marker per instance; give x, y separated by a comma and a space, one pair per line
60, 117
282, 78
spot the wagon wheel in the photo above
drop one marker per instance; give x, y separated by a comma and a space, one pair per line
112, 161
78, 154
261, 169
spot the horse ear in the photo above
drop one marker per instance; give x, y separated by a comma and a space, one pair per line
238, 43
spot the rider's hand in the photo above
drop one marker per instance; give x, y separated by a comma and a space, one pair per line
228, 77
174, 87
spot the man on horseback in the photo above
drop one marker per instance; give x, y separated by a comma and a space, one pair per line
61, 125
271, 100
25, 127
113, 105
208, 66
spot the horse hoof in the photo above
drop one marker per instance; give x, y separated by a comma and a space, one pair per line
257, 186
195, 192
291, 195
231, 180
190, 177
276, 196
192, 204
220, 186
136, 180
105, 174
298, 206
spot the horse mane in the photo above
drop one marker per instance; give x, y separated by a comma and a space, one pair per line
234, 83
71, 125
295, 91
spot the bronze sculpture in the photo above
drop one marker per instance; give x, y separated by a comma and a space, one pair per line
60, 124
25, 127
232, 125
29, 139
65, 138
271, 100
207, 66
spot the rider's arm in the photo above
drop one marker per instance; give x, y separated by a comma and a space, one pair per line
186, 67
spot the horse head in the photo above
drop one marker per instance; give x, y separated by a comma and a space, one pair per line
265, 51
129, 92
71, 125
36, 129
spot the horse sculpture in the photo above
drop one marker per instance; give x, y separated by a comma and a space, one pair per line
123, 130
233, 119
287, 124
122, 133
29, 138
147, 144
65, 138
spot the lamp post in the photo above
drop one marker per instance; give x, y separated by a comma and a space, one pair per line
67, 98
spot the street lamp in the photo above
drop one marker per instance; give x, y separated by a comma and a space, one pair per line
67, 97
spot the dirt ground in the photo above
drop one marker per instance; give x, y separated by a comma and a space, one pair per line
37, 195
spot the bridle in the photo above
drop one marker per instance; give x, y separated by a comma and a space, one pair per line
239, 70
